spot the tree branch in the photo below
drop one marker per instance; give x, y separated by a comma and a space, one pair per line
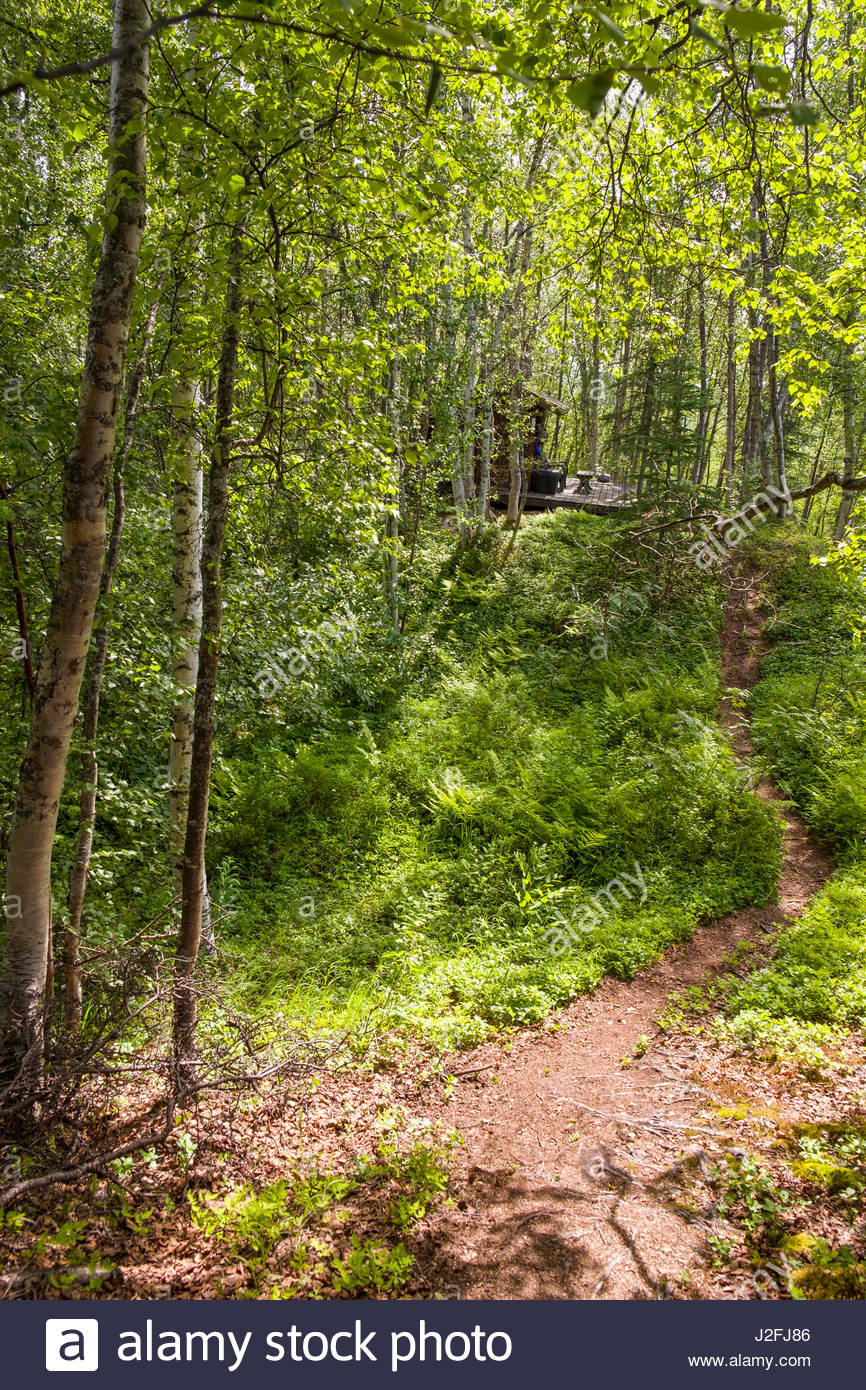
831, 479
40, 74
337, 36
93, 1165
18, 591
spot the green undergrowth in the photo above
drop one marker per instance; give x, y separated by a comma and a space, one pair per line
809, 722
801, 1009
297, 1238
555, 730
343, 1228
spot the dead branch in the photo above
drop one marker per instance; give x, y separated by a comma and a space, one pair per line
639, 1121
831, 479
93, 1165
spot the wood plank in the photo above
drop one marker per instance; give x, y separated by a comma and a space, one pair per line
604, 499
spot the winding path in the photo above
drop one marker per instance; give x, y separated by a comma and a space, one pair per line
570, 1179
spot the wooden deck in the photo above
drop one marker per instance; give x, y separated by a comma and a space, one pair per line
603, 499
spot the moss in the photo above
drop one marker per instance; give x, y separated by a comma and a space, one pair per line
802, 1243
834, 1281
830, 1130
829, 1176
828, 1273
733, 1112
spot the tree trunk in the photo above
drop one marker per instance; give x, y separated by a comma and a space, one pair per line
619, 401
703, 405
645, 426
752, 433
807, 507
483, 513
731, 402
92, 694
777, 411
849, 466
392, 515
471, 383
752, 440
516, 470
581, 411
458, 490
483, 500
519, 356
192, 878
594, 393
517, 372
20, 605
187, 527
85, 487
765, 426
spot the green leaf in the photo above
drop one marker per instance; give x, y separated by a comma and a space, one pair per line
699, 32
613, 29
771, 79
747, 23
649, 83
391, 35
433, 88
589, 92
802, 113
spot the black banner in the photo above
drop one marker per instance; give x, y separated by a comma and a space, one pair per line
488, 1346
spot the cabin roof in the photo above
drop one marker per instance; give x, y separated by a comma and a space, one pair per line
547, 400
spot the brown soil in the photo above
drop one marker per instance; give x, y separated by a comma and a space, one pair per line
583, 1166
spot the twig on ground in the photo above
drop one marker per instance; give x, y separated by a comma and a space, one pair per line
644, 1123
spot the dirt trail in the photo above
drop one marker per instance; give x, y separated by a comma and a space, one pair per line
570, 1179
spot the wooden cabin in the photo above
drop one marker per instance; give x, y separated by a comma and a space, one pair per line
600, 493
538, 411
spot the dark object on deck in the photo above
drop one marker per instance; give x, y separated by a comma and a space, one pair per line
605, 498
548, 481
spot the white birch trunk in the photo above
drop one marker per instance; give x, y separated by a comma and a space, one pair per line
187, 529
392, 527
26, 960
471, 383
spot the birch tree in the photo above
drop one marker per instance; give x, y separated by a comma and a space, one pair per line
92, 694
187, 528
192, 877
85, 486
